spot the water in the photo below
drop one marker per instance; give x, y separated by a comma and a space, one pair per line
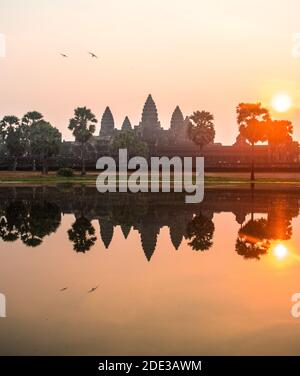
89, 273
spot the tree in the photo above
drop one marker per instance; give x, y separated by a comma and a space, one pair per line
15, 137
201, 129
12, 221
253, 239
200, 231
83, 127
3, 149
29, 221
44, 219
82, 234
130, 141
31, 117
279, 132
28, 120
45, 142
253, 122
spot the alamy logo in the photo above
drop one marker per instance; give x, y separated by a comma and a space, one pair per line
296, 45
295, 311
2, 305
154, 178
2, 45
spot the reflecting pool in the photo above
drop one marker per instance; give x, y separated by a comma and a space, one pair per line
122, 273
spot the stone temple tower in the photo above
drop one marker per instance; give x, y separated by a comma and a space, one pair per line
177, 121
178, 127
149, 126
126, 126
107, 124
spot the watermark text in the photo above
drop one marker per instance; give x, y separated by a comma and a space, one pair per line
163, 174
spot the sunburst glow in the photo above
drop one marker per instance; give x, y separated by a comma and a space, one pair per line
281, 102
280, 251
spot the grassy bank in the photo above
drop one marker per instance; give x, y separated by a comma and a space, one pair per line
28, 177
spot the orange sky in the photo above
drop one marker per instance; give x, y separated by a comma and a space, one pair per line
199, 54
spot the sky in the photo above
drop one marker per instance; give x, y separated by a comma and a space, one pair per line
200, 55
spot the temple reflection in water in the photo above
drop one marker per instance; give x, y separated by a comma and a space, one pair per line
29, 214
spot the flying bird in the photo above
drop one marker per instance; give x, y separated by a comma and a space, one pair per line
63, 55
93, 55
63, 289
93, 289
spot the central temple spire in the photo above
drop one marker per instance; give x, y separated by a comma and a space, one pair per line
149, 115
149, 127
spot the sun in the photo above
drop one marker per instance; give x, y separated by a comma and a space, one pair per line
281, 102
280, 251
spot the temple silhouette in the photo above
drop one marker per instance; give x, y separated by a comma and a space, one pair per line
31, 213
174, 142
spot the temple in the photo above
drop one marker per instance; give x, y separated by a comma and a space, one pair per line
174, 142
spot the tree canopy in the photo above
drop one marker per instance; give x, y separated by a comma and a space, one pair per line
15, 137
253, 120
82, 235
130, 141
200, 231
253, 239
279, 132
82, 124
45, 141
201, 129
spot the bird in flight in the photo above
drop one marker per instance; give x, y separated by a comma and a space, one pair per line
93, 55
93, 289
63, 289
63, 55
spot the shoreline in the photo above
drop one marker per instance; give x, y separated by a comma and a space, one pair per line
217, 180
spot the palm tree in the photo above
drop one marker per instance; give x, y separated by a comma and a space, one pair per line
83, 127
31, 117
253, 123
201, 129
